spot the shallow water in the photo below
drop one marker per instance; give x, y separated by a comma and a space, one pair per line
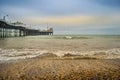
32, 46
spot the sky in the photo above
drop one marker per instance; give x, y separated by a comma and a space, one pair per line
65, 16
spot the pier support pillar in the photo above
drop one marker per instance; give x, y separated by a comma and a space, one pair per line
3, 33
20, 33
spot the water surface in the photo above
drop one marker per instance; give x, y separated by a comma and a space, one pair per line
32, 46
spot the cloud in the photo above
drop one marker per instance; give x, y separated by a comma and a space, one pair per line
85, 16
75, 20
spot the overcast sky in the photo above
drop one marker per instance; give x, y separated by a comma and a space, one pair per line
66, 16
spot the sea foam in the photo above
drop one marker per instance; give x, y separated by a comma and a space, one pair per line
15, 54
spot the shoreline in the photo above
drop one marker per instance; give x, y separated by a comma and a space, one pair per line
19, 54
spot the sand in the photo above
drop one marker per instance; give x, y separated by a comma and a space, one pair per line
60, 69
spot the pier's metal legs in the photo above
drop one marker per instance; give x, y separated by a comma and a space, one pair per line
20, 33
6, 32
51, 33
11, 32
0, 32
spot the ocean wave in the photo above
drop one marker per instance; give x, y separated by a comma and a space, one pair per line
16, 54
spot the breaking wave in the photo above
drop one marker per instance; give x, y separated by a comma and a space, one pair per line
16, 54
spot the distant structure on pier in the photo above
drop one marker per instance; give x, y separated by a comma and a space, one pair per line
15, 29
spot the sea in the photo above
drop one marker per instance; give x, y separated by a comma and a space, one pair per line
17, 48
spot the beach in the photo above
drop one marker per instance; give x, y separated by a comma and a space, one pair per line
60, 57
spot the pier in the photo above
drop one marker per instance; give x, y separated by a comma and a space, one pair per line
7, 30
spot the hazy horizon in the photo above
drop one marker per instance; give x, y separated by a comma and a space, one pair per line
65, 16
